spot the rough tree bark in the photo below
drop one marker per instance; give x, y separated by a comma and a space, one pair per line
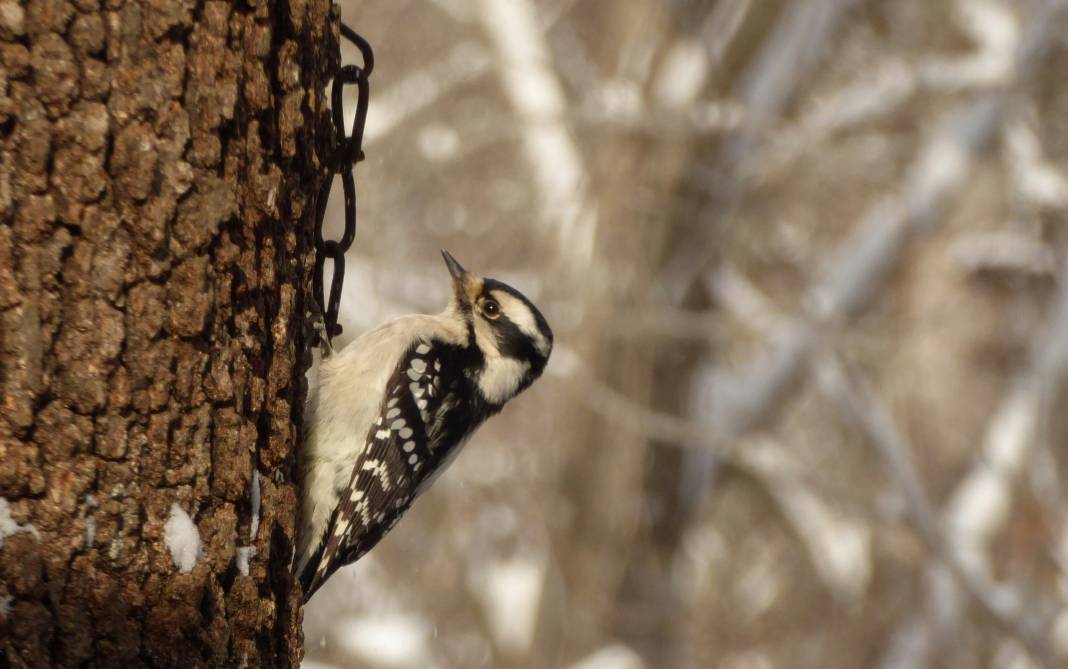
157, 164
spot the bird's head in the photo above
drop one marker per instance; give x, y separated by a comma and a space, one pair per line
506, 329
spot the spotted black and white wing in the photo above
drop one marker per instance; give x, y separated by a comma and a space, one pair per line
426, 412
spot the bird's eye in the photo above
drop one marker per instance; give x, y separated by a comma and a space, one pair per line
491, 309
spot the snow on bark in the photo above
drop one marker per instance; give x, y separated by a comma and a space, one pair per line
182, 539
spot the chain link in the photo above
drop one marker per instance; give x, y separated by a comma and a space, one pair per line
347, 150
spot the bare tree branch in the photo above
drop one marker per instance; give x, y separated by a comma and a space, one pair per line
858, 403
1003, 604
421, 89
838, 546
979, 506
535, 92
860, 264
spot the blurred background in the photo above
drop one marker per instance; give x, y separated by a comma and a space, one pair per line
806, 265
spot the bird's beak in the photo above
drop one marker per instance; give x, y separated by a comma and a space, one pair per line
455, 269
465, 285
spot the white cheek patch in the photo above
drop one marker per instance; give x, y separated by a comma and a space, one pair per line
500, 376
499, 379
519, 313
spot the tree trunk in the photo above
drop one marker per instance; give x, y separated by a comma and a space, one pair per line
157, 165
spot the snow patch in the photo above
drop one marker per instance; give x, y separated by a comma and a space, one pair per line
439, 142
391, 640
312, 664
615, 656
90, 522
8, 526
683, 74
5, 605
244, 554
510, 594
90, 531
1060, 633
182, 539
254, 494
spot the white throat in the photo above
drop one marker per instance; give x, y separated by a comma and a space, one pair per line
499, 379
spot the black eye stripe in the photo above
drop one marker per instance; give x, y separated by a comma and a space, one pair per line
492, 284
511, 341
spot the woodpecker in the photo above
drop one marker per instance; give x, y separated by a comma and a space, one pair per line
395, 406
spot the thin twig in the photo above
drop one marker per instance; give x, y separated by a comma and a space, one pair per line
628, 415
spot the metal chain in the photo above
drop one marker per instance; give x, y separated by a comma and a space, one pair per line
347, 150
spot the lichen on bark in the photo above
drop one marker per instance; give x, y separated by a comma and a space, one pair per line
157, 162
